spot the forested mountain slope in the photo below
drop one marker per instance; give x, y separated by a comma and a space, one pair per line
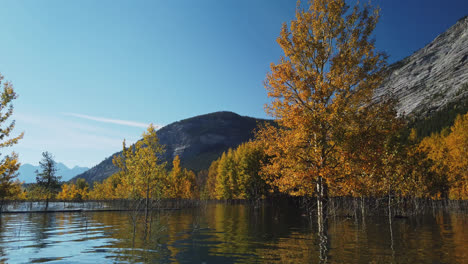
198, 141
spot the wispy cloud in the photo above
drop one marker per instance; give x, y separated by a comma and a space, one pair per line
111, 121
73, 142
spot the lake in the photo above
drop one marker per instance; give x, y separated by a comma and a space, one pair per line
224, 233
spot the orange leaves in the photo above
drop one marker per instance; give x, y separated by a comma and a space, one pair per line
318, 89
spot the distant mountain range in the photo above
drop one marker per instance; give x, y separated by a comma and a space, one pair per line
198, 141
27, 172
431, 87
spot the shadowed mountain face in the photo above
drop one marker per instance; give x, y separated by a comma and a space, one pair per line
431, 87
198, 141
434, 76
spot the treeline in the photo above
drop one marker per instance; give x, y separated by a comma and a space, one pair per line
236, 174
448, 155
435, 167
331, 137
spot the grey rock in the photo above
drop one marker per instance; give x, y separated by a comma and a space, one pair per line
433, 76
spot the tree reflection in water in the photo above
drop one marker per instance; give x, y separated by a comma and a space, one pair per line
223, 233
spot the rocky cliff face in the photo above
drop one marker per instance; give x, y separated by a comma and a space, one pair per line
432, 77
424, 83
198, 141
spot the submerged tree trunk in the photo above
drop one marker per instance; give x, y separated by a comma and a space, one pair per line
147, 203
322, 199
363, 211
322, 219
390, 220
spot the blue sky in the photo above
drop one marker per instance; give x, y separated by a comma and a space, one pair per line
91, 73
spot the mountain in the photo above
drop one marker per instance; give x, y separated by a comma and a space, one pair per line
27, 172
433, 81
431, 87
198, 141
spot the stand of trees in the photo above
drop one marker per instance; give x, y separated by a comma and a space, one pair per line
143, 175
236, 174
330, 138
373, 163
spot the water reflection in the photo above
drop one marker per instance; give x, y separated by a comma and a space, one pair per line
220, 233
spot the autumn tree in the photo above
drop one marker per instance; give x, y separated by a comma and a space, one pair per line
106, 190
68, 192
74, 191
448, 152
457, 143
141, 168
9, 164
236, 174
328, 74
175, 178
249, 158
47, 178
181, 182
226, 180
210, 185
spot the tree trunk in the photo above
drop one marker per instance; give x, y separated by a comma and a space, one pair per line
322, 221
47, 203
322, 198
363, 210
147, 201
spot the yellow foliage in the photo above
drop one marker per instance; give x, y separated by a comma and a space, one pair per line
9, 164
449, 154
321, 85
235, 175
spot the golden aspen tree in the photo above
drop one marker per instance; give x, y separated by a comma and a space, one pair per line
175, 180
65, 192
328, 73
448, 151
236, 174
371, 141
181, 182
189, 188
82, 188
226, 184
210, 185
142, 169
9, 164
457, 144
248, 157
18, 191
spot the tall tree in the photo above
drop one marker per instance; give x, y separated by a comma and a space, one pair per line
448, 152
141, 168
182, 182
328, 74
175, 179
9, 164
47, 177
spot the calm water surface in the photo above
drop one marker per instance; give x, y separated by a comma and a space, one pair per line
220, 233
